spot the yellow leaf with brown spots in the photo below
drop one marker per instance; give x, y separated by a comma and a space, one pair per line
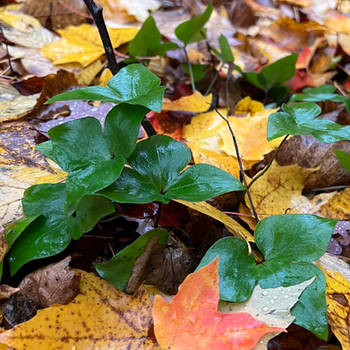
338, 207
83, 44
195, 103
337, 276
100, 317
20, 167
280, 190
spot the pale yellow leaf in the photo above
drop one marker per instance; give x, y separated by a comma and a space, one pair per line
195, 103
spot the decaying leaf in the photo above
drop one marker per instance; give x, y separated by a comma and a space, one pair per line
207, 209
196, 103
338, 296
53, 284
337, 206
25, 30
82, 44
272, 306
20, 167
13, 105
100, 317
191, 320
280, 190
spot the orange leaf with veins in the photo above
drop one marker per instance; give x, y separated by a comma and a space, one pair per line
191, 320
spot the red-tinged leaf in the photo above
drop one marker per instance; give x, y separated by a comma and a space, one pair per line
191, 321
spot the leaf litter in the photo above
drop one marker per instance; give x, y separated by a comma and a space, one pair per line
303, 177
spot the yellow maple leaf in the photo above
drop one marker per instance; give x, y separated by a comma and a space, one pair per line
337, 276
249, 107
83, 44
195, 103
280, 190
100, 317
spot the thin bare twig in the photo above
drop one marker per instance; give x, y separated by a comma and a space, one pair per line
240, 165
189, 69
96, 13
268, 165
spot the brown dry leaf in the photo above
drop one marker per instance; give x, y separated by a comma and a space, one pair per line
6, 291
21, 166
292, 35
52, 284
195, 103
25, 30
308, 152
100, 317
59, 13
271, 306
337, 207
207, 209
279, 190
338, 297
13, 105
83, 44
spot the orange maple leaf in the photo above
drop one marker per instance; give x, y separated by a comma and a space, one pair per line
191, 320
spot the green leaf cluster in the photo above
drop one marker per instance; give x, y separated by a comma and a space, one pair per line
289, 243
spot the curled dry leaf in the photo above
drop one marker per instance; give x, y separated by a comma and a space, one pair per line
308, 152
195, 103
82, 44
13, 105
25, 30
191, 320
279, 190
338, 296
100, 317
338, 206
53, 284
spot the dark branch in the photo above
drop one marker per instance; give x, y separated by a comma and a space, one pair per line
96, 13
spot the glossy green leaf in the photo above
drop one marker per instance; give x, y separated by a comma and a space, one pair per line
202, 181
276, 73
118, 270
344, 158
301, 119
147, 41
46, 149
156, 175
226, 54
132, 187
81, 148
320, 94
236, 268
193, 30
133, 84
89, 212
122, 126
275, 237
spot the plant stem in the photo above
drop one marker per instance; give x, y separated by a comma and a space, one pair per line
159, 213
240, 165
230, 70
213, 80
96, 13
330, 188
268, 165
189, 69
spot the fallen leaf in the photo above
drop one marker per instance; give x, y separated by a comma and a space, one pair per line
25, 30
272, 306
338, 297
100, 317
13, 105
88, 74
83, 44
191, 320
337, 206
249, 107
195, 103
53, 284
20, 167
59, 13
207, 209
280, 190
338, 23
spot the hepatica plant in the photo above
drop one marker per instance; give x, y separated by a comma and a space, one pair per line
106, 166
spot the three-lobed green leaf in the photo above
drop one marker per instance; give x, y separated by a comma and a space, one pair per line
301, 119
133, 84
